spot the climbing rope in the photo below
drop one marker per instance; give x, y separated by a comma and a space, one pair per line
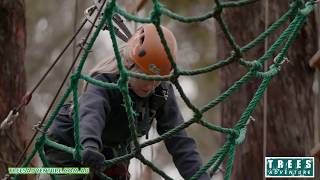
298, 11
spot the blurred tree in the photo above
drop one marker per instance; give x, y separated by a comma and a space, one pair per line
12, 79
289, 106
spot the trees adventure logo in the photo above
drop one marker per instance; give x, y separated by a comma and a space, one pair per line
289, 167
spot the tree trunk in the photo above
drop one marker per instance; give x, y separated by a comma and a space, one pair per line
289, 97
12, 79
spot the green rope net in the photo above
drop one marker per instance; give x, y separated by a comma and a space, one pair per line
297, 12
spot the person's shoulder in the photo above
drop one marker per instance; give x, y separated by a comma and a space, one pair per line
106, 77
165, 85
164, 89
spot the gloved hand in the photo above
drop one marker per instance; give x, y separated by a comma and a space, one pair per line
93, 158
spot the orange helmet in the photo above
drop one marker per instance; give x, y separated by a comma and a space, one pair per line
147, 51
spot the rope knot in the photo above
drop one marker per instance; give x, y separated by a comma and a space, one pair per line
217, 11
122, 82
137, 151
174, 78
77, 152
309, 6
280, 59
74, 78
37, 127
232, 138
241, 134
40, 141
156, 13
236, 54
110, 6
235, 134
198, 115
276, 67
257, 65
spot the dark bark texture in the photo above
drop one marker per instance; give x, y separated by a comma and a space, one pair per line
12, 79
290, 98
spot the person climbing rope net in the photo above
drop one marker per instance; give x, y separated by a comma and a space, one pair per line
104, 131
107, 141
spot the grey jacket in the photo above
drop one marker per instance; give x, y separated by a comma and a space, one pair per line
104, 122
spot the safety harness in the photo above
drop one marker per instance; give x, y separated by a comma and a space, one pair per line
146, 110
148, 107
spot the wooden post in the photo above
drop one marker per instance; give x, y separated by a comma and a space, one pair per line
315, 151
315, 63
290, 97
12, 81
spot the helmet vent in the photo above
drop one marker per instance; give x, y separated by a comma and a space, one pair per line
141, 40
142, 53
